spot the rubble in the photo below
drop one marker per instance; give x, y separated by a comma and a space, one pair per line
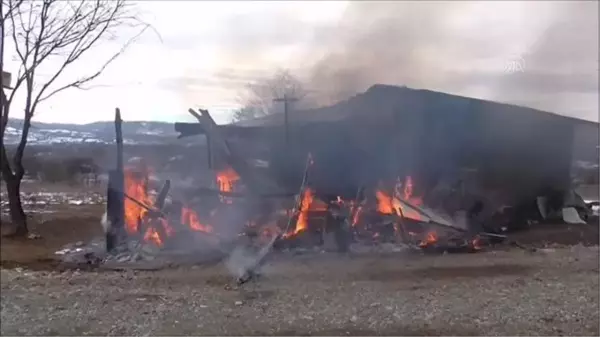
251, 214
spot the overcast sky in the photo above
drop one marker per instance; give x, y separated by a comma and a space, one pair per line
533, 53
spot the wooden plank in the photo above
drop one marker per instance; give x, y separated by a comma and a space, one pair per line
162, 195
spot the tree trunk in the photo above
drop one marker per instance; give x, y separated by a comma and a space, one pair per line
17, 215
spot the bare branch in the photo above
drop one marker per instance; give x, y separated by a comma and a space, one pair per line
78, 83
19, 171
47, 29
259, 95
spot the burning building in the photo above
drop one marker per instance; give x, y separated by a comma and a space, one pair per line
393, 164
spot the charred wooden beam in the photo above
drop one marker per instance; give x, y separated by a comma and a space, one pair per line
153, 212
400, 230
236, 161
338, 225
209, 154
114, 210
162, 195
251, 270
231, 155
119, 139
115, 207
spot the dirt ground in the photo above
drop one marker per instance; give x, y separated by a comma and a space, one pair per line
503, 291
65, 224
549, 292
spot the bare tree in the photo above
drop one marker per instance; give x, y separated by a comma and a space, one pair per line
51, 35
258, 97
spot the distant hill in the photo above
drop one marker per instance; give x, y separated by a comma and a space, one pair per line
98, 132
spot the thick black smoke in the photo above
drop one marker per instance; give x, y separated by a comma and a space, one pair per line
547, 57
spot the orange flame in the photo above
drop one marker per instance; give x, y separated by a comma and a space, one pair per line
406, 195
166, 227
153, 236
476, 243
408, 188
190, 218
356, 212
405, 211
302, 222
226, 179
430, 238
407, 191
136, 186
384, 202
388, 205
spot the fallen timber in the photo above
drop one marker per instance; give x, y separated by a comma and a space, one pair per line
256, 183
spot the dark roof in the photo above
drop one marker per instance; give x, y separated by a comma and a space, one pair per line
383, 99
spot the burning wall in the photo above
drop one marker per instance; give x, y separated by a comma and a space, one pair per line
148, 220
143, 213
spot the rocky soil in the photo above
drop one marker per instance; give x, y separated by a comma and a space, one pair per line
552, 291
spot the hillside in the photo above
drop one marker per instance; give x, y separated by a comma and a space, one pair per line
98, 132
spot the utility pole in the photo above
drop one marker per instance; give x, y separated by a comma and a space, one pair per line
286, 105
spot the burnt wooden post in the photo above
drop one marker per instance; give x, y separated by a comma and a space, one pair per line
162, 195
119, 139
115, 207
209, 154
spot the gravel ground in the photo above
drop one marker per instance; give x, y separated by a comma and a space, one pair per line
549, 292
